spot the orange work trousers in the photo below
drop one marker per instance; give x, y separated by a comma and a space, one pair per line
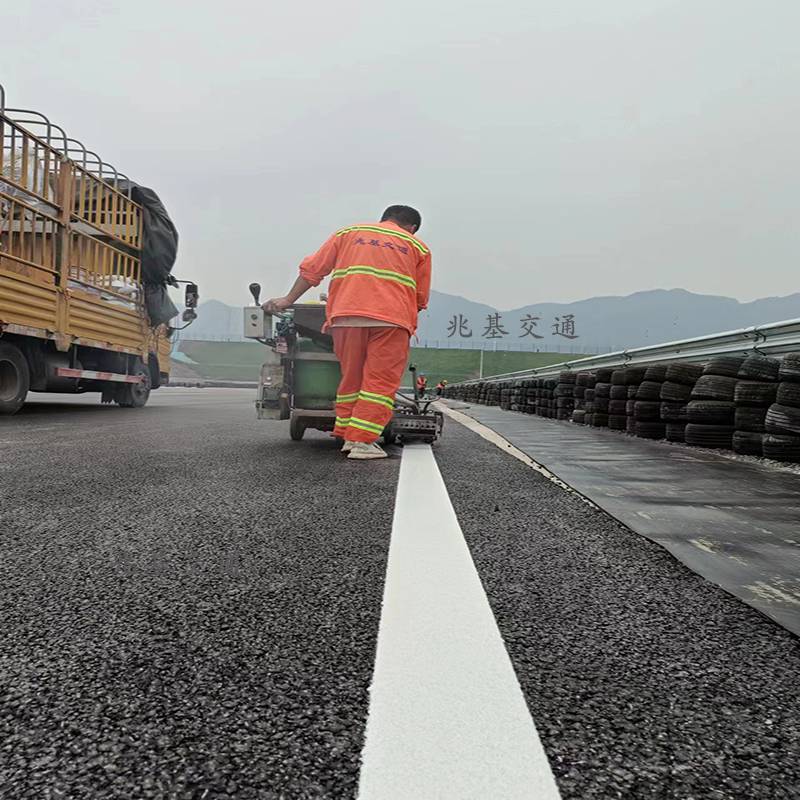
373, 361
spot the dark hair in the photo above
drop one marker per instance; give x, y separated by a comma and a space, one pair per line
405, 215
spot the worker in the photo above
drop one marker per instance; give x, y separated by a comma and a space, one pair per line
422, 384
440, 387
380, 281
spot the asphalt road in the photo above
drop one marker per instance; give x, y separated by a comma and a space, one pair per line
189, 602
190, 606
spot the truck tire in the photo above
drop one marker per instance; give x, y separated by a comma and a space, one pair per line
296, 429
15, 378
135, 395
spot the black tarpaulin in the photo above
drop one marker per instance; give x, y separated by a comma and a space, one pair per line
159, 251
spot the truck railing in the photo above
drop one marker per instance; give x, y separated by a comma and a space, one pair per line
66, 217
43, 168
773, 338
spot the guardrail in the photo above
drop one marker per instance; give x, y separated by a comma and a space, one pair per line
774, 338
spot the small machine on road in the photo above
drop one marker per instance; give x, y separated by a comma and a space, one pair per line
301, 374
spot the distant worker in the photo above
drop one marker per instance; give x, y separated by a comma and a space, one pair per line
440, 387
422, 384
380, 280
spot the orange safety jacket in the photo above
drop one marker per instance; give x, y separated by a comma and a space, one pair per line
378, 270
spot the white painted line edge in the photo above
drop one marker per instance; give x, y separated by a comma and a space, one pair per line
499, 441
447, 718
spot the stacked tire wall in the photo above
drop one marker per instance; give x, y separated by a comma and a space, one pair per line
749, 404
647, 407
676, 391
782, 422
756, 391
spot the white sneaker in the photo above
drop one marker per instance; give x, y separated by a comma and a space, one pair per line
347, 447
363, 452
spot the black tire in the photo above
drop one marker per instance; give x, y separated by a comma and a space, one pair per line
567, 377
601, 405
135, 395
649, 390
564, 413
647, 411
602, 389
656, 373
782, 448
389, 436
589, 395
790, 368
783, 420
618, 408
714, 436
630, 407
650, 430
585, 379
15, 378
675, 392
617, 422
760, 368
580, 392
788, 394
579, 416
630, 425
686, 374
750, 419
675, 432
711, 412
599, 420
618, 392
727, 366
757, 393
634, 375
603, 375
748, 444
296, 429
618, 378
675, 413
633, 389
714, 387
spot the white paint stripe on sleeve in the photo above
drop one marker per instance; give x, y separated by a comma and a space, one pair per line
447, 718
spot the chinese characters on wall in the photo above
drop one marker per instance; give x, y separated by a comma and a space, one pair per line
495, 328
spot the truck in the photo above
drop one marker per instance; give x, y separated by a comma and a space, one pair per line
85, 261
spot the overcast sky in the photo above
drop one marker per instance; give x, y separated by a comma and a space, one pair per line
557, 150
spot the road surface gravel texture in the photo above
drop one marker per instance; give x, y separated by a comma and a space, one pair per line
644, 680
189, 603
189, 606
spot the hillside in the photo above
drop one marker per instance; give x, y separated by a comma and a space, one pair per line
241, 361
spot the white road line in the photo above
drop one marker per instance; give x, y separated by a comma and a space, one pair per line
447, 718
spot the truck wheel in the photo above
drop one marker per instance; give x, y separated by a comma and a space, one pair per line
296, 429
15, 379
135, 395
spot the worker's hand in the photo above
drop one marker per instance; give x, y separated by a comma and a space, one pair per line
276, 305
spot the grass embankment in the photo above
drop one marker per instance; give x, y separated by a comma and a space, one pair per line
241, 361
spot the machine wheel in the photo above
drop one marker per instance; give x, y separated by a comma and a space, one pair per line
389, 436
15, 379
135, 395
296, 429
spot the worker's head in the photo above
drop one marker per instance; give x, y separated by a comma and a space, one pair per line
406, 217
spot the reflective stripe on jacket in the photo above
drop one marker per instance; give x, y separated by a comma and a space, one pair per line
378, 270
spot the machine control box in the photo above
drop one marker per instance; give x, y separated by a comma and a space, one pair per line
256, 323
